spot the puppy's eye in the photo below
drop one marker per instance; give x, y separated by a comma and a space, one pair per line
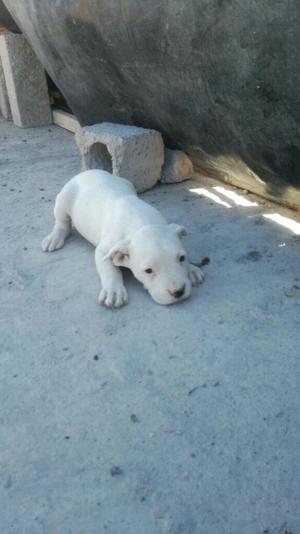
149, 271
182, 258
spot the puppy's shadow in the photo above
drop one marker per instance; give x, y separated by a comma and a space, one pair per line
77, 239
130, 281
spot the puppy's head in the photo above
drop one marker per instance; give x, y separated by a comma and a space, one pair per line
156, 257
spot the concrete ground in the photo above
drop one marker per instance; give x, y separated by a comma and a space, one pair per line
146, 420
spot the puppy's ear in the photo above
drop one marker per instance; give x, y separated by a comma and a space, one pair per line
119, 254
179, 230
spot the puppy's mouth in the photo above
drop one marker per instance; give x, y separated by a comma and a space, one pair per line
170, 299
184, 296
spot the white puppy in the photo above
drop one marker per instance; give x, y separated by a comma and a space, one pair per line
126, 232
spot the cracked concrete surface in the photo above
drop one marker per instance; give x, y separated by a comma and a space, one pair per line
145, 420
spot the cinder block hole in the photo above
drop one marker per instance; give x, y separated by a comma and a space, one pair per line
98, 157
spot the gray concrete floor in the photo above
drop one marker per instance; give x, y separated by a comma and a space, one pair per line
197, 404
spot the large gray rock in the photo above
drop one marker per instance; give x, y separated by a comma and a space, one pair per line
4, 100
177, 168
25, 81
133, 153
216, 77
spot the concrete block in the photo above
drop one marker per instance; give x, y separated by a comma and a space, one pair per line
4, 100
127, 151
25, 81
177, 168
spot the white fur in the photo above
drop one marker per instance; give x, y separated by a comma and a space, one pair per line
126, 232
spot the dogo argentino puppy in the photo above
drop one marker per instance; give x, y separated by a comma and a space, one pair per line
127, 232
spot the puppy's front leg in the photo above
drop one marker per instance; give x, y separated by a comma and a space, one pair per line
113, 293
196, 275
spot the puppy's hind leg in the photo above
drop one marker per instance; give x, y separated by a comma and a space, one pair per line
62, 226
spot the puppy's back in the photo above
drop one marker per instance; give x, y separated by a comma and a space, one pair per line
103, 182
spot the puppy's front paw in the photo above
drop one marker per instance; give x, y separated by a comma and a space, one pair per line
113, 297
55, 240
196, 275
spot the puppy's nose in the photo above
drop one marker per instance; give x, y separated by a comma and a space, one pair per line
179, 292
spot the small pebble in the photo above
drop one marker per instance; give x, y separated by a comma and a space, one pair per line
292, 292
253, 255
116, 471
193, 390
205, 261
134, 418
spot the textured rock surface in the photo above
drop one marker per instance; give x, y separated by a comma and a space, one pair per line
177, 167
133, 153
4, 100
25, 82
193, 407
220, 76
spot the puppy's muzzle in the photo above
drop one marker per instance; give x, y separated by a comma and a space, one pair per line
178, 293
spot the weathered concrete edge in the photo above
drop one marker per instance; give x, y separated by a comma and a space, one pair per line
4, 98
20, 63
